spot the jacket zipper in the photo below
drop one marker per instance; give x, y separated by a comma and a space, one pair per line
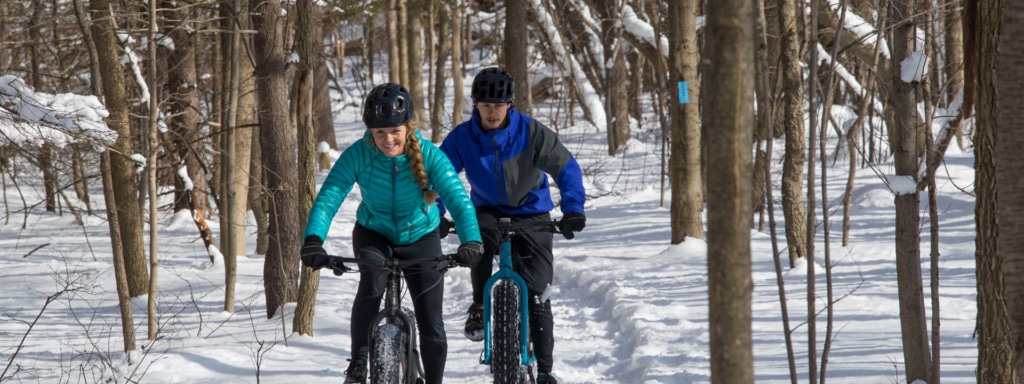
499, 173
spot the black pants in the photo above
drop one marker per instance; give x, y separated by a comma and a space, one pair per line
426, 287
533, 260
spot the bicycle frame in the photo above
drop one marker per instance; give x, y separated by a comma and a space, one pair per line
392, 312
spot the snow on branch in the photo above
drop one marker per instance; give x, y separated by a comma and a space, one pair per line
36, 118
591, 102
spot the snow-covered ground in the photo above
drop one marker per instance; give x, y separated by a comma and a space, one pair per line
629, 306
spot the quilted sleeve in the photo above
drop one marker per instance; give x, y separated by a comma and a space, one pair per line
447, 183
335, 188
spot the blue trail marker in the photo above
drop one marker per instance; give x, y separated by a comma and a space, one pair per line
684, 93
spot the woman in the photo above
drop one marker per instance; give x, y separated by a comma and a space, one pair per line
400, 176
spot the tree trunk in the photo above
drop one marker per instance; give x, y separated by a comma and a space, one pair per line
257, 199
916, 351
323, 116
517, 51
122, 168
414, 59
616, 82
437, 104
124, 299
729, 114
685, 168
278, 149
183, 107
237, 153
457, 62
792, 104
394, 67
307, 37
996, 346
1009, 160
151, 166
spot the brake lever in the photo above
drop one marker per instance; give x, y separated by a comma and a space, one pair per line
444, 262
339, 268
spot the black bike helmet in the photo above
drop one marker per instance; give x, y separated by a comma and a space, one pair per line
493, 85
387, 105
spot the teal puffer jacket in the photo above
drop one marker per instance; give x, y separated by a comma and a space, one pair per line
392, 199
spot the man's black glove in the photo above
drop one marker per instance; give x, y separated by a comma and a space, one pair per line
469, 254
572, 222
313, 254
445, 227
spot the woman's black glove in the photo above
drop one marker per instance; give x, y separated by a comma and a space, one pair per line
572, 222
313, 254
445, 227
469, 254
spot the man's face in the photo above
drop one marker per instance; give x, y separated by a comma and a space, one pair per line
492, 115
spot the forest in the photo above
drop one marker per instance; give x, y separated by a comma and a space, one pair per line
226, 110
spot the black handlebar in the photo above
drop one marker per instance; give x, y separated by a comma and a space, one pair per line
553, 226
337, 263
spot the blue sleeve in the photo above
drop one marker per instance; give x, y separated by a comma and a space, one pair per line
448, 147
332, 193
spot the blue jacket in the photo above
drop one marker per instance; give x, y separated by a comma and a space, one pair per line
392, 201
506, 167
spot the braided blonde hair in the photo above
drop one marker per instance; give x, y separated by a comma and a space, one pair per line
414, 152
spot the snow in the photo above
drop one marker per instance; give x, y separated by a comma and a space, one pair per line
629, 306
914, 67
33, 118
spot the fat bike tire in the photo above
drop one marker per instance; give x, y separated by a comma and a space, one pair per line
506, 358
388, 363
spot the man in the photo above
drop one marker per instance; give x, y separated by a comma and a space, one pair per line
505, 155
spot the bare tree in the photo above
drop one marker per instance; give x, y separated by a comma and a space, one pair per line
238, 122
729, 115
997, 356
307, 39
616, 82
792, 104
1009, 161
278, 149
685, 167
122, 168
916, 350
124, 300
457, 62
444, 49
414, 57
517, 52
394, 47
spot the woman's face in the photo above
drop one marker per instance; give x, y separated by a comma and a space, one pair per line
390, 140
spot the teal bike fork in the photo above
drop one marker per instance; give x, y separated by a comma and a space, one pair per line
505, 272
